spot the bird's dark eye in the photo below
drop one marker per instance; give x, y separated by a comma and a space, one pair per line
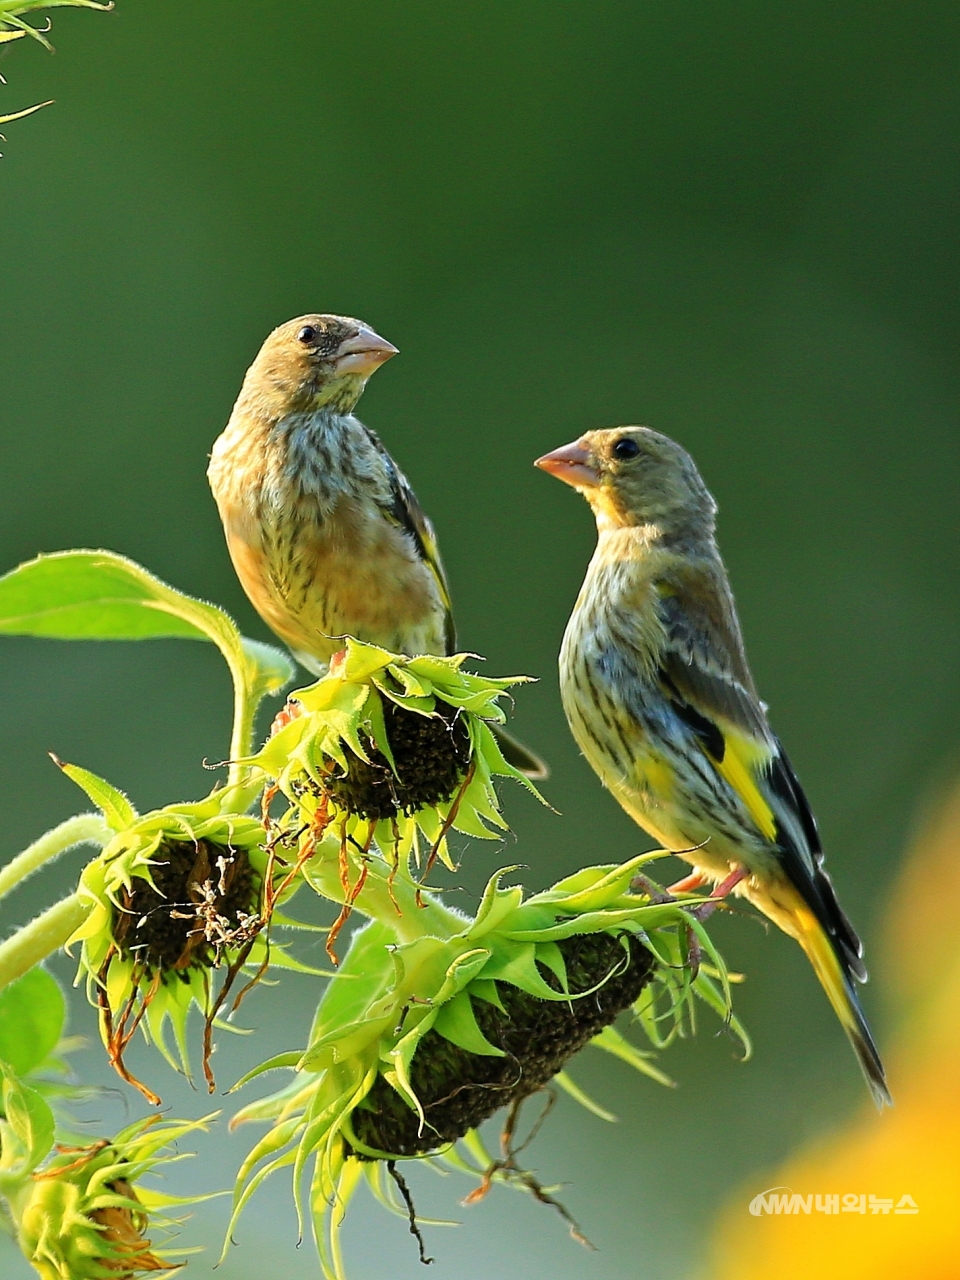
307, 333
625, 448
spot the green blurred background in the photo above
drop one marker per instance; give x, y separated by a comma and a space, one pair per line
736, 222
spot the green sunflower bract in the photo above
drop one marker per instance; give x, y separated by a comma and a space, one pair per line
415, 1043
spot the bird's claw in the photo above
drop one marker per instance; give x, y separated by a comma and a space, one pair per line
287, 713
649, 888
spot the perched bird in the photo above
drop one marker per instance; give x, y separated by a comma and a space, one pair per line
325, 533
660, 699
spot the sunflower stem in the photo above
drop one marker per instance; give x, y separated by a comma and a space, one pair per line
257, 670
245, 703
85, 828
398, 903
41, 937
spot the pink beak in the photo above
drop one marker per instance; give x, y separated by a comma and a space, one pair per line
571, 464
364, 352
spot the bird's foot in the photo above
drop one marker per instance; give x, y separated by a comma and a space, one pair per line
649, 888
689, 884
725, 887
289, 712
336, 662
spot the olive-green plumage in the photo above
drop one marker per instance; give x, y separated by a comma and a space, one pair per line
659, 696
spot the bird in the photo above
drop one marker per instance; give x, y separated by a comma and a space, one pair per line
659, 697
324, 530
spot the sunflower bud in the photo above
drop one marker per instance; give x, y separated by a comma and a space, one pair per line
429, 757
174, 897
523, 1041
83, 1218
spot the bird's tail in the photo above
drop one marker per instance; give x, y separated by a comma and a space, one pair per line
837, 982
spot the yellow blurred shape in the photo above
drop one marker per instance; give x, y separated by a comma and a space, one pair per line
914, 1149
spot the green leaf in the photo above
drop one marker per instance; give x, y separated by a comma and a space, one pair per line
29, 1116
11, 11
462, 970
402, 1056
11, 8
274, 668
275, 1063
612, 1042
495, 905
368, 963
99, 595
32, 1013
516, 963
27, 111
486, 989
709, 993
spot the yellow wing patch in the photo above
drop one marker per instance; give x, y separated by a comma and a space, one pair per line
742, 758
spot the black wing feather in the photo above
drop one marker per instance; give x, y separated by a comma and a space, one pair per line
816, 887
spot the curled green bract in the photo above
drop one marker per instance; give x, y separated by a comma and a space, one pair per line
13, 13
14, 27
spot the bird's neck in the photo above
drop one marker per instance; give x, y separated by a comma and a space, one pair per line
314, 455
632, 542
653, 539
269, 391
314, 428
629, 555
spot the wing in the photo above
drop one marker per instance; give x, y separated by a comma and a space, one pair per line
705, 676
405, 511
704, 657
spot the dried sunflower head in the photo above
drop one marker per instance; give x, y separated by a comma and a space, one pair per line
416, 1043
178, 896
387, 747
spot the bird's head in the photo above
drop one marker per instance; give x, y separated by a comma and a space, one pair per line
634, 476
317, 362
